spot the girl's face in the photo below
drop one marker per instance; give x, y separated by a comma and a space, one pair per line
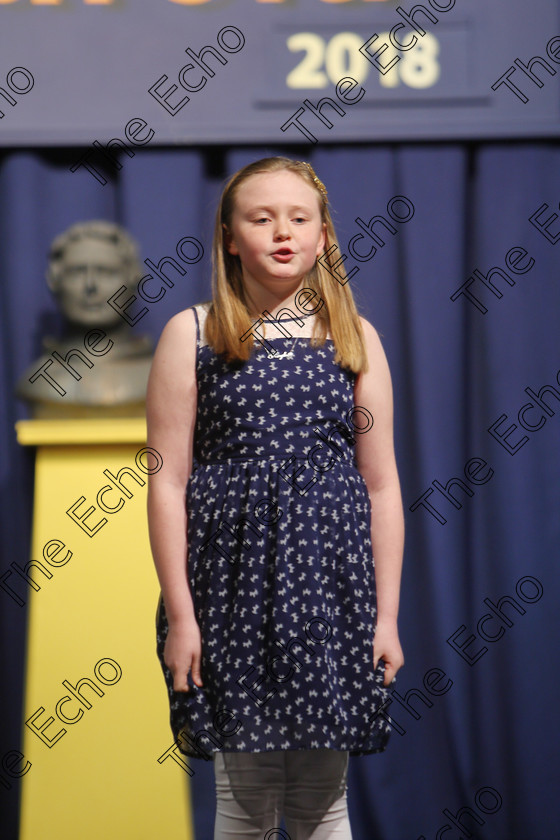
276, 230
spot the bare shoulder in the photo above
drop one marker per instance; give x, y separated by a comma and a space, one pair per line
171, 397
180, 329
372, 339
173, 364
374, 387
177, 343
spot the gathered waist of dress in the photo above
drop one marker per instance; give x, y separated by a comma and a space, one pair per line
280, 460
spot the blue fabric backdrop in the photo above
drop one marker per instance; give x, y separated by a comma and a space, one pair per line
486, 741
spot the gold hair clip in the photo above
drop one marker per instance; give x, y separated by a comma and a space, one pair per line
318, 183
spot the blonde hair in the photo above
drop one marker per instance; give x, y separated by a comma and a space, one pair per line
228, 316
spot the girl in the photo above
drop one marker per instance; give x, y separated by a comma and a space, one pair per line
272, 405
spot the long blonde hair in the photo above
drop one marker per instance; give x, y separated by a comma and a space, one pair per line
228, 316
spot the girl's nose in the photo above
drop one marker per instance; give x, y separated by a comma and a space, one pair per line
281, 230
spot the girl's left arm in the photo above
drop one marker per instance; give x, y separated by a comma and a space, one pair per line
375, 456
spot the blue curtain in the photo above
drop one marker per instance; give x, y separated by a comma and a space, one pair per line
473, 722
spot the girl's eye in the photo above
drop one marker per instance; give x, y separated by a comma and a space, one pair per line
299, 219
262, 219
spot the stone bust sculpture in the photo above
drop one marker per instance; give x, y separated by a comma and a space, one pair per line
99, 368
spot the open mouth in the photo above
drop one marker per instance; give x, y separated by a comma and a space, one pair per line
283, 253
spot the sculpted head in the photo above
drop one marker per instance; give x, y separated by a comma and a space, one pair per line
87, 264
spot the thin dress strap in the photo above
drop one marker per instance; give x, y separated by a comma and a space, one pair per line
197, 323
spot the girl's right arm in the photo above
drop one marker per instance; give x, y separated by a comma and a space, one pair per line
171, 416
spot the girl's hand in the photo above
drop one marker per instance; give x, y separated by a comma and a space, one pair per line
182, 653
386, 646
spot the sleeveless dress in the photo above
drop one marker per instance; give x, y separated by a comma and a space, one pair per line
280, 562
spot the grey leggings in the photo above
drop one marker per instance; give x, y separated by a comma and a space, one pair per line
307, 786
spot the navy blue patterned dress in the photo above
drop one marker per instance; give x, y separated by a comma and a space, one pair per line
279, 557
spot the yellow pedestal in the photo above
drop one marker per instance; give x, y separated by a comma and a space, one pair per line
94, 768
